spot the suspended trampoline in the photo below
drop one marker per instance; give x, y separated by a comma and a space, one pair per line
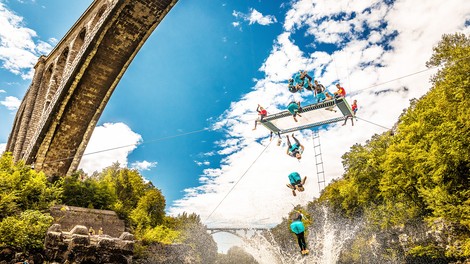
313, 115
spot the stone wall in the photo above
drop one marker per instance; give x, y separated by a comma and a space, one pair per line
78, 246
69, 216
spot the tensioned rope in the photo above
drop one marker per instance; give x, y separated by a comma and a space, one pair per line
415, 73
205, 129
372, 123
243, 175
130, 145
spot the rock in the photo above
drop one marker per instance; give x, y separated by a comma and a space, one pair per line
82, 240
126, 236
54, 228
157, 253
76, 247
79, 230
106, 243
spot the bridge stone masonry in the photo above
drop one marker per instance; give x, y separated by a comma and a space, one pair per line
72, 85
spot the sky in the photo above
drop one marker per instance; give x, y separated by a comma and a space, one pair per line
184, 110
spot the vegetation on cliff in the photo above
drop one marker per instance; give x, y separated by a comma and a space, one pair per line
24, 196
27, 195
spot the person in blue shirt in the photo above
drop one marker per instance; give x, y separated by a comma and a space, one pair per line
296, 183
298, 228
294, 150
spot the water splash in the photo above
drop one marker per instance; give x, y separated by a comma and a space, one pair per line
326, 238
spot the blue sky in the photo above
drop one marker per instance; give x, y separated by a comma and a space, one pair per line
207, 66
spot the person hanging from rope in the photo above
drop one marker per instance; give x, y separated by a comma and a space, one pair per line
294, 108
354, 109
341, 92
262, 114
294, 150
297, 226
296, 183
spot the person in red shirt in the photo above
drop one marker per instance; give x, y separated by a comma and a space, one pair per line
354, 109
341, 92
262, 113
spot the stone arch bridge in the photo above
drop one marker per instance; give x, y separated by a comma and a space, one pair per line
240, 232
72, 85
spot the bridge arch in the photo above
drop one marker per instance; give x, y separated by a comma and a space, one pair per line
72, 85
77, 44
98, 15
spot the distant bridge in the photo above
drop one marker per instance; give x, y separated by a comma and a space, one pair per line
72, 85
237, 231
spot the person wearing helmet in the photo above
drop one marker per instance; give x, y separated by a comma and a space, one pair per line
296, 183
298, 228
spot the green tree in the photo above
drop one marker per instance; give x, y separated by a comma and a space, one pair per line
150, 210
26, 231
22, 188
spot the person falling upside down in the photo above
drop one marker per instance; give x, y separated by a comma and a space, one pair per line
299, 81
298, 228
294, 108
296, 183
293, 88
262, 114
294, 150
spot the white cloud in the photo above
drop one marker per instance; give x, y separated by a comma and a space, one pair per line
11, 103
377, 43
18, 50
109, 143
254, 17
200, 163
143, 165
3, 91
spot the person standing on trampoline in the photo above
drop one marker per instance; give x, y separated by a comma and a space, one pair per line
341, 92
294, 150
319, 91
294, 108
262, 113
298, 228
354, 109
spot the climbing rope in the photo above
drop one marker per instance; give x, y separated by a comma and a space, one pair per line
239, 179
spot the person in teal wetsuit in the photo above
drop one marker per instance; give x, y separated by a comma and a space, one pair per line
294, 108
298, 228
294, 150
296, 183
299, 81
